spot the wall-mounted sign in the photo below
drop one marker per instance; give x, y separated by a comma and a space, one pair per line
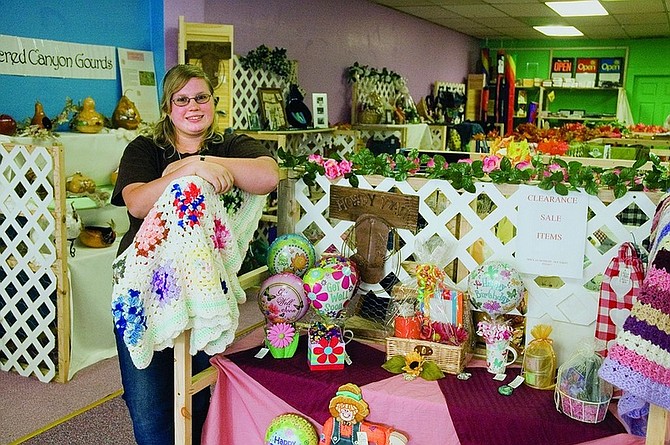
47, 58
610, 72
586, 71
562, 67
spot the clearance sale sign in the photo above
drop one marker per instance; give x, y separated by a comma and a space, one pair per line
551, 232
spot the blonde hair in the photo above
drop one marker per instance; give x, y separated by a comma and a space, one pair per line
164, 134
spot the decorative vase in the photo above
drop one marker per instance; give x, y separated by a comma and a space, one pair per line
126, 115
88, 120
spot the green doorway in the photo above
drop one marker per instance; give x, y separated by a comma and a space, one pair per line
650, 99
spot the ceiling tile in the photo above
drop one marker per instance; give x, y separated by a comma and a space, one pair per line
426, 12
641, 19
605, 32
500, 22
475, 10
647, 30
634, 6
394, 3
527, 10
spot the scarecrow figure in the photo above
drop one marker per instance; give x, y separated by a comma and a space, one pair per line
347, 426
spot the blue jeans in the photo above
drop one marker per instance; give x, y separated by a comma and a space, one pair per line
149, 395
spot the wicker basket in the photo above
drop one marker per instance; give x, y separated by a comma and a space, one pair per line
450, 359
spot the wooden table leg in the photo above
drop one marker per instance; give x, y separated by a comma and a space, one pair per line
657, 425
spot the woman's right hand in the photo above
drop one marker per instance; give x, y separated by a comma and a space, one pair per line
216, 174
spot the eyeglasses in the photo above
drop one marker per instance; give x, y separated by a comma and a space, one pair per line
182, 101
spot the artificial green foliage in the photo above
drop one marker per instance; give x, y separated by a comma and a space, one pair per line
263, 58
429, 372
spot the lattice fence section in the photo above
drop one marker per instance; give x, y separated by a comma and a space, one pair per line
27, 261
438, 134
245, 91
480, 226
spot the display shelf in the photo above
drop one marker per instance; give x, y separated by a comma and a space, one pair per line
596, 104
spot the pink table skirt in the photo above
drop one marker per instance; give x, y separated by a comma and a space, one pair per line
242, 409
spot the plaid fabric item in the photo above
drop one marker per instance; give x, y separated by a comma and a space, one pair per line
632, 216
619, 288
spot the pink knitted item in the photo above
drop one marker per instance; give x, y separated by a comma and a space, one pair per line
639, 363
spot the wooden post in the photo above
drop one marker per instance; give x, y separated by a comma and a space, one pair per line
288, 209
657, 425
183, 406
63, 283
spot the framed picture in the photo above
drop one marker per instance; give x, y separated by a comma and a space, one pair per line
320, 110
271, 104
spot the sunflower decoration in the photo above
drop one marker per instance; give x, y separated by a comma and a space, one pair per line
413, 365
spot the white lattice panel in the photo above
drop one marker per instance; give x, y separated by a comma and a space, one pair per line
245, 91
27, 257
570, 308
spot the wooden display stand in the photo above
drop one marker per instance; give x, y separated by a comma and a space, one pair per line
470, 229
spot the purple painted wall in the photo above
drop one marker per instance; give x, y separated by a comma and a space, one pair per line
326, 37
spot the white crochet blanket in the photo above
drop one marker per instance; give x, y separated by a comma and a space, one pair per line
181, 270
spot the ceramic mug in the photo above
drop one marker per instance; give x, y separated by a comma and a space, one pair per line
347, 335
498, 355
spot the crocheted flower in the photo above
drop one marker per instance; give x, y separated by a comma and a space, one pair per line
315, 295
129, 317
118, 269
189, 204
328, 350
345, 274
221, 235
281, 335
152, 232
164, 285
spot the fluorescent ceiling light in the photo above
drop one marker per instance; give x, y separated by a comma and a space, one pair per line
577, 8
559, 31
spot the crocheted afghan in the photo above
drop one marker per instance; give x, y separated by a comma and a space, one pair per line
639, 361
181, 270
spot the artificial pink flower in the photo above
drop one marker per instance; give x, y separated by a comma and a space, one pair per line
524, 165
430, 163
465, 161
280, 335
345, 166
332, 169
317, 159
491, 163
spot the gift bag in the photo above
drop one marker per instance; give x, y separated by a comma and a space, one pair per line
326, 346
620, 287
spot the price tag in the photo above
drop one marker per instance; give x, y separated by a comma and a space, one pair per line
362, 438
624, 274
518, 380
262, 353
348, 361
500, 376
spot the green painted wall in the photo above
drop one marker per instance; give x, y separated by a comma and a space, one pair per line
645, 57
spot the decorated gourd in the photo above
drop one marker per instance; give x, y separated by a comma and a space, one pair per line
88, 120
126, 114
78, 183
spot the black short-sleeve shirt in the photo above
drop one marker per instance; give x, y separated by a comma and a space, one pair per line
143, 161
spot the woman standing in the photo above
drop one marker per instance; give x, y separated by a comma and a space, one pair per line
184, 143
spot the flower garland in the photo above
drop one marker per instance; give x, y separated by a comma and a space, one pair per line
516, 164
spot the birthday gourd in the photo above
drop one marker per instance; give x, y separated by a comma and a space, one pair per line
88, 120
